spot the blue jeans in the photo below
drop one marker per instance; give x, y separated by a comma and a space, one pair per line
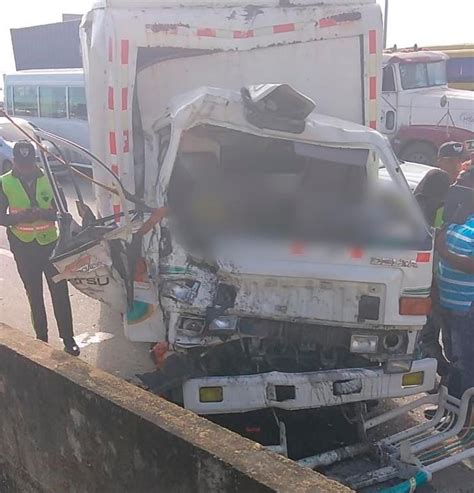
460, 330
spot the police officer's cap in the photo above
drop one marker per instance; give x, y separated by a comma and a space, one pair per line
452, 149
24, 152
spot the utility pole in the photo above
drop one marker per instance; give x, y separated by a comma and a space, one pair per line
385, 24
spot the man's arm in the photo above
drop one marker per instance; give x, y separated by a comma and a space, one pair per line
459, 262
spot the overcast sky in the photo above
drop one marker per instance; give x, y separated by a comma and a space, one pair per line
410, 21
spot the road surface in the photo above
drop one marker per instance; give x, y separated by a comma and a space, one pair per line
100, 329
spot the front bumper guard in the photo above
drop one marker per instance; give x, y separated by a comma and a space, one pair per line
312, 390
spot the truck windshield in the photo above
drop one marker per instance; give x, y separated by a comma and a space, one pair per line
227, 182
418, 75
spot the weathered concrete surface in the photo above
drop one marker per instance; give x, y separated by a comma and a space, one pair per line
69, 427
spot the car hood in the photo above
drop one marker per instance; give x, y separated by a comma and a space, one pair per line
413, 173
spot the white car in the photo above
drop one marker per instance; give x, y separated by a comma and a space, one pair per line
413, 172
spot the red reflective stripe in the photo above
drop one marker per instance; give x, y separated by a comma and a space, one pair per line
111, 50
15, 211
115, 169
423, 257
124, 51
372, 42
117, 212
111, 98
373, 124
297, 248
207, 32
243, 34
357, 253
124, 98
372, 87
283, 28
328, 22
113, 143
126, 141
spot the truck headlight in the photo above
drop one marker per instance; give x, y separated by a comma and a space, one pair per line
398, 365
182, 290
364, 343
413, 379
394, 341
223, 325
192, 326
211, 394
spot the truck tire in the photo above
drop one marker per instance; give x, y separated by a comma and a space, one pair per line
6, 166
420, 152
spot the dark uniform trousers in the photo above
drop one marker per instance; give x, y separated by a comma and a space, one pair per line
32, 260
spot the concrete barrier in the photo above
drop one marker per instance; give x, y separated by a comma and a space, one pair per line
66, 427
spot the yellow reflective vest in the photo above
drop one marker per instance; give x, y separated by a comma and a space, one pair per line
44, 232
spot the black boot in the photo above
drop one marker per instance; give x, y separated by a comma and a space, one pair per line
71, 347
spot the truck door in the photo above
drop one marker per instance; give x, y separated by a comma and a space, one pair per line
389, 102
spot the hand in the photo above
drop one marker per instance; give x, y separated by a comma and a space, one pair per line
26, 216
45, 214
440, 242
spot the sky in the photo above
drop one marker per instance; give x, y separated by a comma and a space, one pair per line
426, 22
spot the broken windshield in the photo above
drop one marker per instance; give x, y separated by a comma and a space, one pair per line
227, 182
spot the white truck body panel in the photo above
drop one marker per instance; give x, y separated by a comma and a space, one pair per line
239, 45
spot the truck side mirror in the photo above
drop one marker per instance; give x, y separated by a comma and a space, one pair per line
443, 101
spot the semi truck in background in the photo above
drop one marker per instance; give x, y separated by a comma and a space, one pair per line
419, 112
251, 307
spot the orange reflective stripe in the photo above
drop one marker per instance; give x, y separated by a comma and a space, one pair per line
32, 228
27, 229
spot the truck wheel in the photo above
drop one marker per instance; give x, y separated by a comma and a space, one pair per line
420, 152
6, 166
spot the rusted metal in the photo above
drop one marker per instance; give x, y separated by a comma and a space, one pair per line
328, 458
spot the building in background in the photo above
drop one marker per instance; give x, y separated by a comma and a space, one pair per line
49, 46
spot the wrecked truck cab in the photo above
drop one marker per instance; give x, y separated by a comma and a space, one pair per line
268, 269
282, 274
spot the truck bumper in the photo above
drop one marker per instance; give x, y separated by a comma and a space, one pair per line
294, 391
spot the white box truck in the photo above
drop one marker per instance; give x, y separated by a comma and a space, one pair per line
263, 275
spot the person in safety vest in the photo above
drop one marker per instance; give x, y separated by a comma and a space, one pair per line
28, 211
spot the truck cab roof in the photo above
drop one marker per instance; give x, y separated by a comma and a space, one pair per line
319, 128
413, 57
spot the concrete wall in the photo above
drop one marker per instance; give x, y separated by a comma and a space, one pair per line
68, 427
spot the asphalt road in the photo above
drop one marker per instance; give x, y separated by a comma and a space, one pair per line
100, 330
